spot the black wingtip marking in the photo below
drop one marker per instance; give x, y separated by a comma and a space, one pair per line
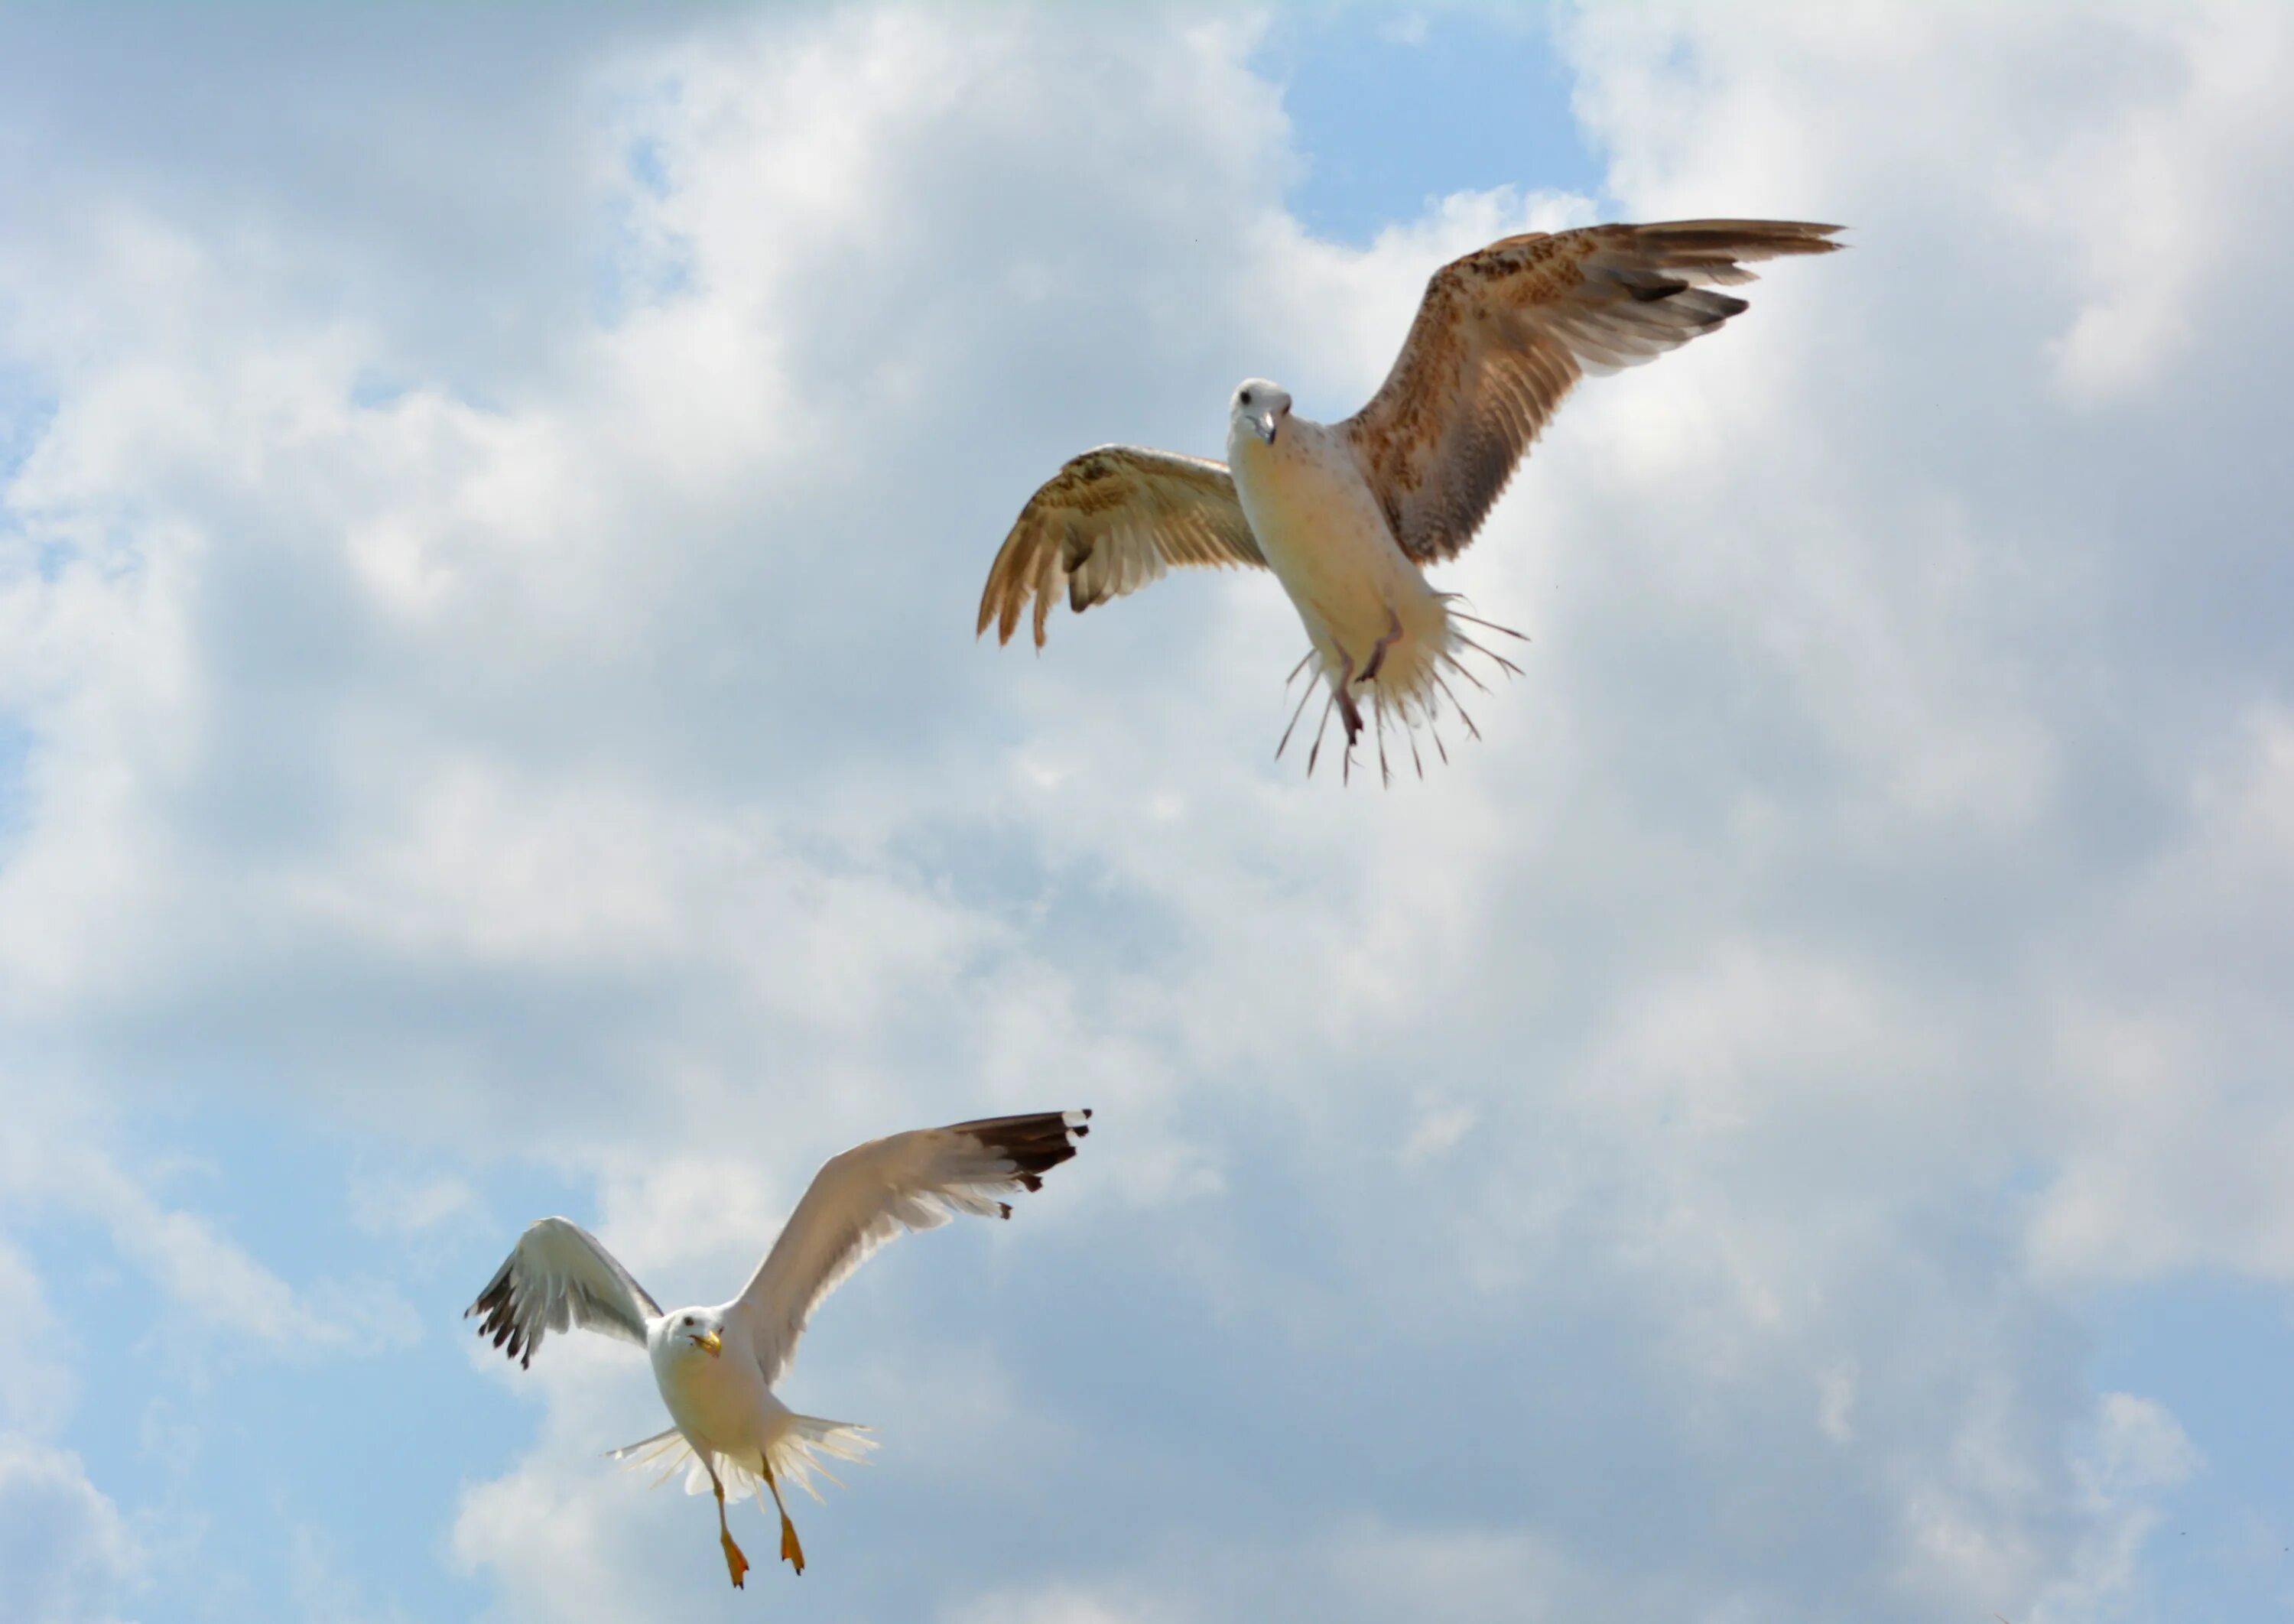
1032, 1144
498, 1324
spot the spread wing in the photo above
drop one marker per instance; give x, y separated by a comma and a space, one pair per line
1108, 522
1504, 333
864, 1198
559, 1277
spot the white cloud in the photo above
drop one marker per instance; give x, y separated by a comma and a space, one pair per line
66, 1556
213, 1277
575, 750
2169, 1032
1058, 1604
35, 1382
2156, 203
398, 1204
322, 1594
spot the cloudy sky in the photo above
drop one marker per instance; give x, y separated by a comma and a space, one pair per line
1792, 1127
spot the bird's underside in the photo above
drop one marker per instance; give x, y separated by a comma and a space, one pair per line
1380, 640
1501, 337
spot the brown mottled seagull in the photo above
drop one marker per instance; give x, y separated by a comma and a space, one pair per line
1348, 514
717, 1366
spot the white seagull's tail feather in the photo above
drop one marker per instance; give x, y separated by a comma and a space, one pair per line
797, 1451
797, 1447
665, 1450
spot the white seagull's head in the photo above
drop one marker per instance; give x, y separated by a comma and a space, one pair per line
694, 1330
1259, 407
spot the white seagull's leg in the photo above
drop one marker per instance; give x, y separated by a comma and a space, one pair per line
736, 1564
792, 1552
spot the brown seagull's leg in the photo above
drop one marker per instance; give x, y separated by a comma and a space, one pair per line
1377, 649
1348, 713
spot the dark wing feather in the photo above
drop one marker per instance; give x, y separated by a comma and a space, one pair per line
1108, 522
873, 1193
558, 1276
1504, 333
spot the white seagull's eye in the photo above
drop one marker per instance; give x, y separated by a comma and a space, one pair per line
1246, 397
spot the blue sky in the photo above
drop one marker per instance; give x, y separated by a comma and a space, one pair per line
1790, 1126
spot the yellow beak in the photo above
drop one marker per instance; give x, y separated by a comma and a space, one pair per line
709, 1343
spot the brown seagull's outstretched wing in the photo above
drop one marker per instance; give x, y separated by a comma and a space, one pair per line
1504, 333
1107, 524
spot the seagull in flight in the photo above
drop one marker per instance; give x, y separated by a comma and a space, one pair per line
717, 1366
1348, 514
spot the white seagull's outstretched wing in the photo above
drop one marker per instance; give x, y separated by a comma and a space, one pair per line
1506, 331
864, 1198
559, 1277
1108, 522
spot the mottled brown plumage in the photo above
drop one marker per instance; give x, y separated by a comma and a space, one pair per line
1504, 333
1108, 522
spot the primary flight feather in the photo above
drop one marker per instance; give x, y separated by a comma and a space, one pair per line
717, 1366
1348, 514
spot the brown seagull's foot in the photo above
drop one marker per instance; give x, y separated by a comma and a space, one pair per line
1347, 712
1377, 649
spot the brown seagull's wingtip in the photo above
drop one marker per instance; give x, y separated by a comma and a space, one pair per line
1005, 618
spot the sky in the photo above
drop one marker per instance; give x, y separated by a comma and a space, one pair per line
1791, 1126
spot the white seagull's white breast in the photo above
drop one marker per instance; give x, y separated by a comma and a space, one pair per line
721, 1403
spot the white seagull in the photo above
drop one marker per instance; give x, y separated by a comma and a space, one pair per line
717, 1366
1347, 514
